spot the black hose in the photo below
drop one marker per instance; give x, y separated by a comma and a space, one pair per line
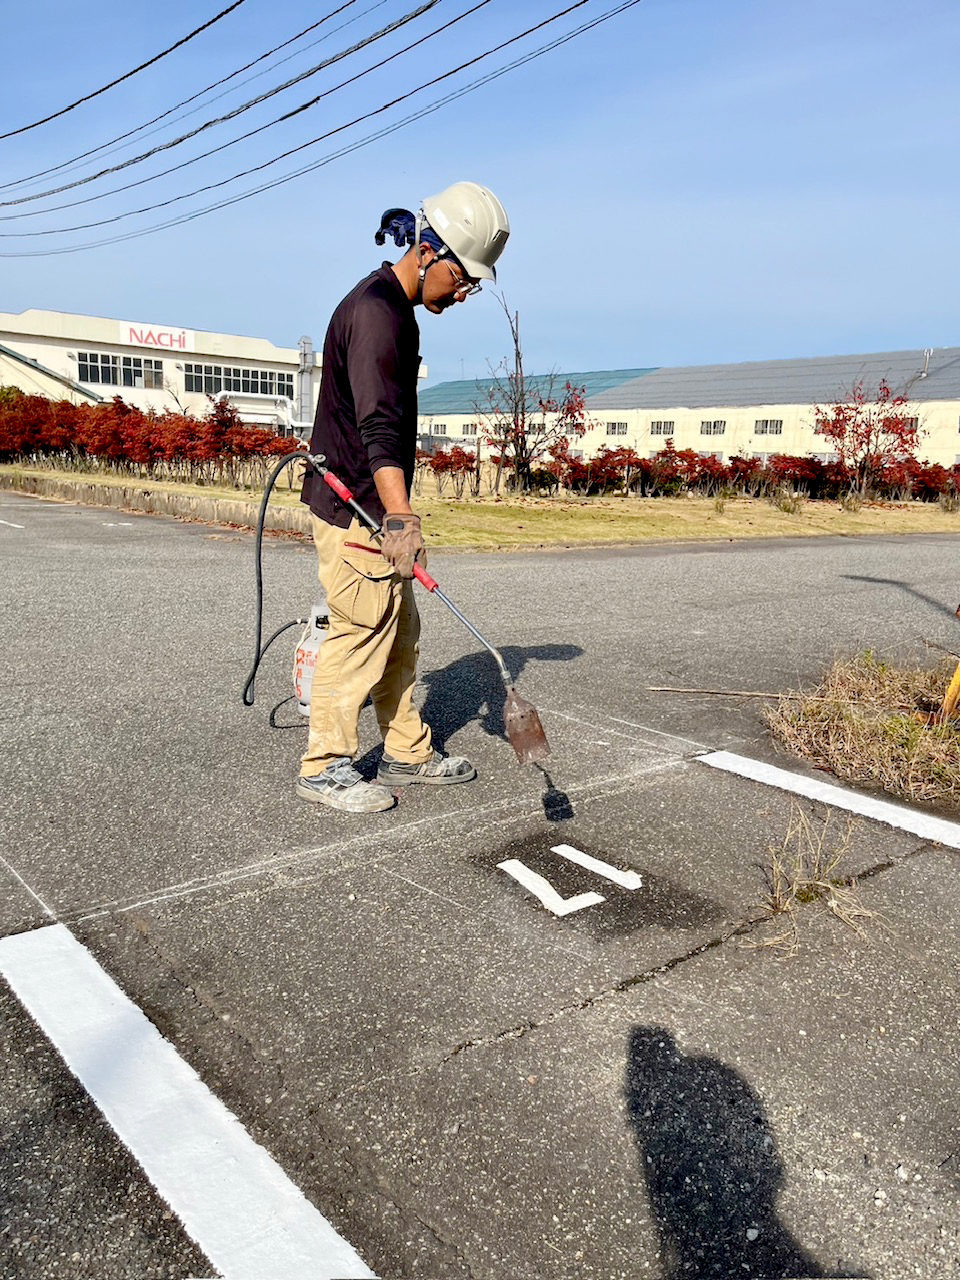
261, 649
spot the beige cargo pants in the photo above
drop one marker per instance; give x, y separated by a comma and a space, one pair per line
370, 650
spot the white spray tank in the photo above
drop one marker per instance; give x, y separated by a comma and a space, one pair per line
305, 659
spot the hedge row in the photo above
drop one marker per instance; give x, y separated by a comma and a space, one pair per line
116, 436
219, 447
674, 471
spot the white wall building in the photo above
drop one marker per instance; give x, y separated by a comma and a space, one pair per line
757, 408
159, 367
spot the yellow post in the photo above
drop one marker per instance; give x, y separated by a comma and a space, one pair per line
952, 696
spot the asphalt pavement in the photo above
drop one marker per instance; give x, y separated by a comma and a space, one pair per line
463, 1082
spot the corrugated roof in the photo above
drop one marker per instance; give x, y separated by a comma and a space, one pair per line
463, 397
818, 380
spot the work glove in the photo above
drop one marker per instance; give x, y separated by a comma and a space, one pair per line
402, 543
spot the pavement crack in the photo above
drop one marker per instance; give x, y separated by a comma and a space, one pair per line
617, 988
160, 1009
925, 846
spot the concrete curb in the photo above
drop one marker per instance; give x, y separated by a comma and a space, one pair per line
142, 497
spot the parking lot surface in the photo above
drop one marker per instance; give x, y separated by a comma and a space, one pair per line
463, 1077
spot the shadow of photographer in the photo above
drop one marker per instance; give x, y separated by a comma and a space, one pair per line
711, 1165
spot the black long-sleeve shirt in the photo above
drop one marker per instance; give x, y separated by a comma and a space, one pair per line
367, 415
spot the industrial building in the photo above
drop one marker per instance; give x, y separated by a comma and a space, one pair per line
757, 408
157, 366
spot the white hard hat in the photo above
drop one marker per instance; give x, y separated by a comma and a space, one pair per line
473, 225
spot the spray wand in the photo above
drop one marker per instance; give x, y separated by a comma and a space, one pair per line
520, 718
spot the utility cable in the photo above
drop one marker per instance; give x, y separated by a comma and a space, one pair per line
429, 109
230, 115
112, 144
120, 79
305, 106
259, 648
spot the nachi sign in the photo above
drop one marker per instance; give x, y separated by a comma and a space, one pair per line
146, 335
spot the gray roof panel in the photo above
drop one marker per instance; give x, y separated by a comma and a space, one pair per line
463, 397
818, 380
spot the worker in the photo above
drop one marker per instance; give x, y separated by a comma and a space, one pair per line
366, 426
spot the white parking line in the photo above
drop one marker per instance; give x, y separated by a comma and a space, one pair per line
917, 823
590, 787
233, 1199
47, 911
11, 525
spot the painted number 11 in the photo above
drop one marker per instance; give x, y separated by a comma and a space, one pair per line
548, 896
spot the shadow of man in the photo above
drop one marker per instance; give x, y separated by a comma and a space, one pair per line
471, 689
711, 1166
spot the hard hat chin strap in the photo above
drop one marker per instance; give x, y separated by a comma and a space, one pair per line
439, 253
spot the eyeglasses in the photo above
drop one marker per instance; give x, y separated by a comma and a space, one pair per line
465, 288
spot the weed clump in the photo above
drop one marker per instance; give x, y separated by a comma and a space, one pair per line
807, 868
867, 723
785, 500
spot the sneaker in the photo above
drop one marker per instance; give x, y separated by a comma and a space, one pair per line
341, 787
438, 771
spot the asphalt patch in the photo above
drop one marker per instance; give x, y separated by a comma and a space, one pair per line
659, 903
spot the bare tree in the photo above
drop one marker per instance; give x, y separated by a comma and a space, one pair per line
526, 418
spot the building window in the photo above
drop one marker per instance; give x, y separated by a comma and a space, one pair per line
198, 377
768, 427
257, 382
144, 373
96, 367
616, 428
661, 428
438, 428
211, 379
469, 428
715, 428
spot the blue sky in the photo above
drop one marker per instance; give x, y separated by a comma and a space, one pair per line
693, 181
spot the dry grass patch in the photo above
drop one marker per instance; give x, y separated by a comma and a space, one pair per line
866, 724
807, 868
519, 523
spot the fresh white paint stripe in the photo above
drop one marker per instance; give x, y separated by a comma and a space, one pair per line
894, 815
545, 892
625, 879
11, 525
233, 1199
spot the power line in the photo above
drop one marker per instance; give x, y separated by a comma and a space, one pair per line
429, 109
112, 145
120, 79
209, 124
304, 106
303, 146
